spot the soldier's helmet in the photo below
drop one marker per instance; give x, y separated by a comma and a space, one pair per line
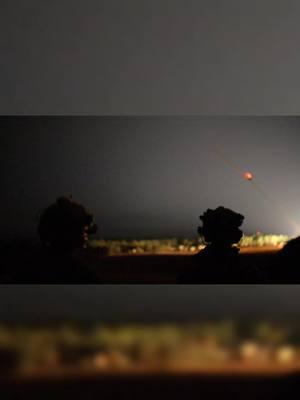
221, 226
66, 224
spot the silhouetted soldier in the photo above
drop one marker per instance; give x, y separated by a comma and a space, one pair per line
65, 225
286, 265
219, 262
63, 229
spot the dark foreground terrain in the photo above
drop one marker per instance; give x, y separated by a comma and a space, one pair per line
155, 386
162, 269
127, 269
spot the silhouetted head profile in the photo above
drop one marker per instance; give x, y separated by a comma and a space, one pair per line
292, 249
66, 224
220, 227
285, 268
219, 262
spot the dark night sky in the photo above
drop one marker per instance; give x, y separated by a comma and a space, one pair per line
146, 302
151, 176
149, 57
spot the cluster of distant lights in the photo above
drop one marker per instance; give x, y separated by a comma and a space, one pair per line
248, 243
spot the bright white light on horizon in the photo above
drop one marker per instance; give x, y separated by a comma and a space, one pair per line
296, 230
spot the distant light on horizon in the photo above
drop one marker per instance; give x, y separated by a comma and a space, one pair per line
295, 230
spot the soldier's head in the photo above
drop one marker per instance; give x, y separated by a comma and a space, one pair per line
221, 226
66, 225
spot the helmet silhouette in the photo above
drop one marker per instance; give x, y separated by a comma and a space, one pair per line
66, 224
221, 226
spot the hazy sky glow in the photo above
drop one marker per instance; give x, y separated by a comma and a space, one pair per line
152, 176
149, 57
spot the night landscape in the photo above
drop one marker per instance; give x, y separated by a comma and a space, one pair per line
149, 196
121, 197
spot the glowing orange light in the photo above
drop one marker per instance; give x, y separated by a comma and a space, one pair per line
248, 176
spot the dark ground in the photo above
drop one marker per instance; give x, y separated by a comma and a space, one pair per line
160, 269
155, 386
141, 269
